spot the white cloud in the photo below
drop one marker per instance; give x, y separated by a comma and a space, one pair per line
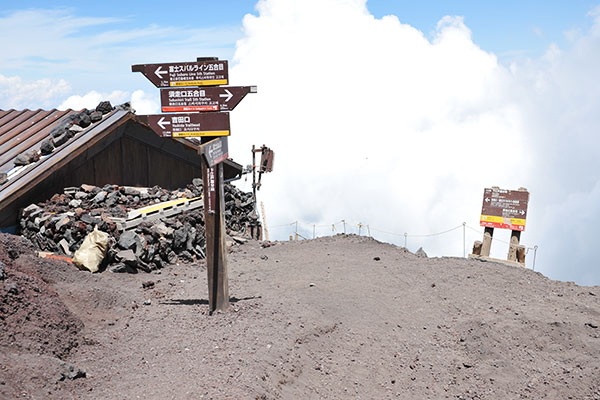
373, 122
91, 99
144, 103
16, 92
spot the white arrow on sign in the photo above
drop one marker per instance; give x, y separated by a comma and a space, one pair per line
160, 72
228, 95
161, 122
487, 200
522, 212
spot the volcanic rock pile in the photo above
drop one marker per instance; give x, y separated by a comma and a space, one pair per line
60, 224
64, 131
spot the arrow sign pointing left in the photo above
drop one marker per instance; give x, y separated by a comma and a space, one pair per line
199, 73
162, 123
159, 72
188, 124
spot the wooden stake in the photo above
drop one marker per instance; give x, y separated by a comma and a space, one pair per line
514, 244
214, 224
264, 215
486, 246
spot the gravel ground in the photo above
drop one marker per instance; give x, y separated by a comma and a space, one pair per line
336, 318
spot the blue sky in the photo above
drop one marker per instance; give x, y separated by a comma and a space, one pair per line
439, 88
499, 26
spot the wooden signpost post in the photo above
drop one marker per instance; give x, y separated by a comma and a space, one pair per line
196, 94
505, 209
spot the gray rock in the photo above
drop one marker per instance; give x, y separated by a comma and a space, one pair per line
60, 140
80, 195
180, 237
61, 222
46, 147
31, 210
75, 129
69, 371
104, 107
95, 116
140, 245
3, 178
64, 245
99, 198
2, 271
58, 130
197, 182
172, 257
85, 120
22, 159
129, 191
421, 253
122, 268
126, 256
127, 240
161, 229
74, 203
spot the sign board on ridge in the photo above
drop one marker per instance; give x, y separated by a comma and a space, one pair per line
506, 209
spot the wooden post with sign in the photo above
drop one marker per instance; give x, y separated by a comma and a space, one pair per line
194, 86
214, 228
505, 209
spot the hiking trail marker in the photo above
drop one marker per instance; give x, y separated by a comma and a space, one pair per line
201, 107
504, 209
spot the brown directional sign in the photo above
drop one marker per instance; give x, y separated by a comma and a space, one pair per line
215, 151
505, 209
203, 99
188, 124
202, 73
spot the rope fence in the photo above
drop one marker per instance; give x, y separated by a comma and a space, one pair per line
362, 229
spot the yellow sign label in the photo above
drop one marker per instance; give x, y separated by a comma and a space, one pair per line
200, 133
500, 220
199, 83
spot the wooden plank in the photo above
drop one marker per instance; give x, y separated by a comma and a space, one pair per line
159, 168
216, 261
107, 165
135, 161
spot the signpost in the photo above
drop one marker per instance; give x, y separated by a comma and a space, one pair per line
188, 124
203, 99
505, 209
201, 73
194, 93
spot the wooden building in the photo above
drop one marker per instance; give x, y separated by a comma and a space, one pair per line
118, 149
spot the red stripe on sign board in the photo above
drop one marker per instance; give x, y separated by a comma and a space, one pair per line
190, 108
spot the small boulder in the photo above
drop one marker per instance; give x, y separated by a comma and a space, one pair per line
104, 107
60, 140
22, 159
127, 240
46, 147
421, 253
95, 116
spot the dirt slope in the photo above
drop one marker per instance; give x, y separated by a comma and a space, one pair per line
324, 319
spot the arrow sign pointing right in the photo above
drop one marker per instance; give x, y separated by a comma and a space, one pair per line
204, 98
228, 95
